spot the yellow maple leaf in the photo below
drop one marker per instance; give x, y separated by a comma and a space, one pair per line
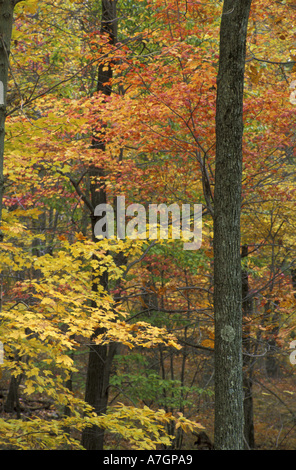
64, 359
29, 387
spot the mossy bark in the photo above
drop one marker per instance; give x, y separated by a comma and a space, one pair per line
229, 412
6, 22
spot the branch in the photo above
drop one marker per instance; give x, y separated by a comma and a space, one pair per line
138, 260
279, 398
84, 198
49, 90
196, 346
273, 62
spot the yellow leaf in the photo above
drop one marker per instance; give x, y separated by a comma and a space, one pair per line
63, 359
208, 343
29, 387
48, 301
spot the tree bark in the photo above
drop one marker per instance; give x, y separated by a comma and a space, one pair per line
229, 412
248, 359
100, 356
6, 21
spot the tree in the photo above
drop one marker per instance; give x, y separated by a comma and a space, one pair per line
87, 120
100, 356
6, 21
82, 301
229, 411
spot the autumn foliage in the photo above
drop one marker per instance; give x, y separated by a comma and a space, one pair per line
158, 127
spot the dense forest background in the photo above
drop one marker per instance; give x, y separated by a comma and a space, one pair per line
109, 343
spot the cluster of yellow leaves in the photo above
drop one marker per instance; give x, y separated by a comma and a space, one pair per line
143, 428
53, 314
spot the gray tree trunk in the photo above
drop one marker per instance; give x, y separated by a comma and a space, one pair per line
6, 21
229, 411
248, 358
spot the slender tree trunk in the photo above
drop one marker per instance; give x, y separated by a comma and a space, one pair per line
100, 356
293, 279
248, 359
6, 21
229, 413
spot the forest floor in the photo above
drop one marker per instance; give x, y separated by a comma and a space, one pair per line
274, 402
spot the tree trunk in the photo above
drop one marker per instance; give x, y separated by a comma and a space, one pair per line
100, 356
248, 359
12, 401
6, 21
229, 413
